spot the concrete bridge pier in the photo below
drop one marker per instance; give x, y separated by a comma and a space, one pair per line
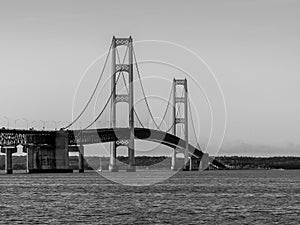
81, 159
204, 163
8, 161
194, 163
8, 158
49, 158
186, 166
131, 158
61, 152
40, 158
173, 164
113, 159
30, 162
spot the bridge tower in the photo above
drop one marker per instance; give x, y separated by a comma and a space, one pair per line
177, 120
117, 98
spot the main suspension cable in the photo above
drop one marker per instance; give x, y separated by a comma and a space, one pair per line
193, 125
100, 114
143, 90
166, 110
113, 90
94, 91
177, 114
147, 104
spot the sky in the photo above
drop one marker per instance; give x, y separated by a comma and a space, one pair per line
252, 47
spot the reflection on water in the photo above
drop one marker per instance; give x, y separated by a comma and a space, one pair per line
212, 197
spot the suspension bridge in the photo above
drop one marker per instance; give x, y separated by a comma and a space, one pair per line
48, 150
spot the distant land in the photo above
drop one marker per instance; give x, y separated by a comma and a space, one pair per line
163, 162
245, 162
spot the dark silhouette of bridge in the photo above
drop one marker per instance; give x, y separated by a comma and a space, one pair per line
48, 151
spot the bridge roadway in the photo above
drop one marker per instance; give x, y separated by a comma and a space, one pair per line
121, 135
92, 136
57, 139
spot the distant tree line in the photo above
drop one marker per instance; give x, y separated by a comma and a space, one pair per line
19, 162
243, 162
235, 162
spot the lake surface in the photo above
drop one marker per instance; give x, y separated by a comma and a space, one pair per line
210, 197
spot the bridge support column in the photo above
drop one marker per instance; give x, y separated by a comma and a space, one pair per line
173, 164
184, 120
8, 158
186, 129
81, 159
128, 98
194, 163
204, 163
61, 152
8, 161
113, 159
113, 148
30, 159
131, 159
131, 154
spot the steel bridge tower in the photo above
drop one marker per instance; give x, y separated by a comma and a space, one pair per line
177, 120
117, 98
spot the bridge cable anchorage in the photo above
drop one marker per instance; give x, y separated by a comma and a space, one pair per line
108, 100
124, 81
94, 91
193, 125
147, 104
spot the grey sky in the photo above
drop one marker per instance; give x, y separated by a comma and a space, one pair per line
252, 46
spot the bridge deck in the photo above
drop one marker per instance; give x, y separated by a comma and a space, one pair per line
92, 136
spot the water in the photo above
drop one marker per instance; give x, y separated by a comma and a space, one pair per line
212, 197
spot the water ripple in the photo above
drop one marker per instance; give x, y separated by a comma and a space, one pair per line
212, 197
